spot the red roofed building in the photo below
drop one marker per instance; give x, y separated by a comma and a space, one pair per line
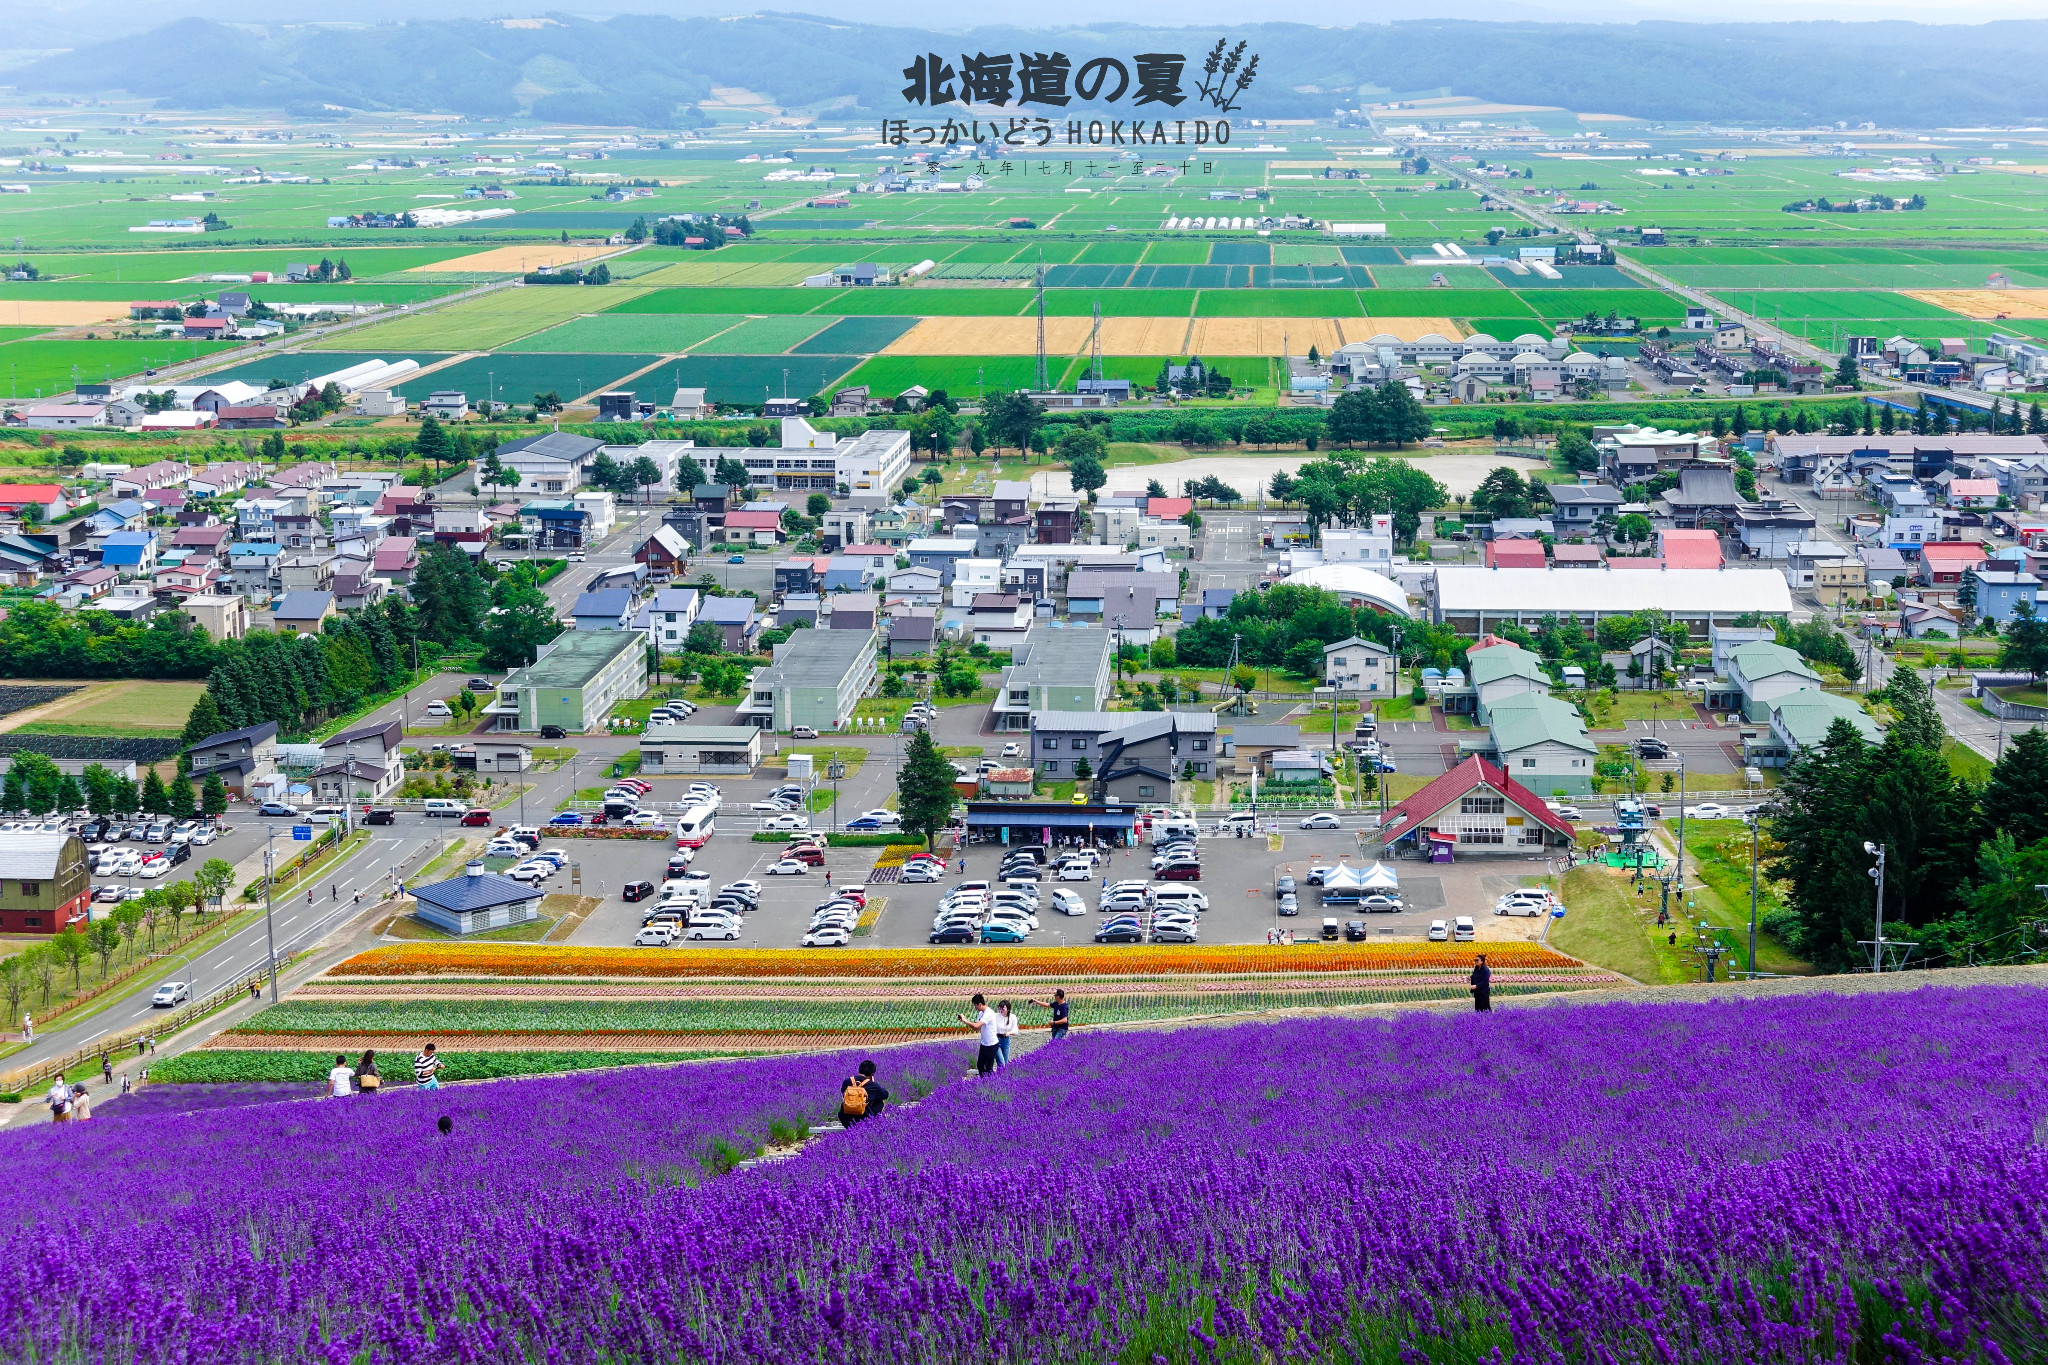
1690, 549
1484, 642
1515, 554
1169, 509
1973, 493
757, 528
205, 329
252, 417
1475, 808
1635, 562
397, 558
1944, 562
47, 496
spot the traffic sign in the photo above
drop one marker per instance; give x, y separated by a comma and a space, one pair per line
303, 833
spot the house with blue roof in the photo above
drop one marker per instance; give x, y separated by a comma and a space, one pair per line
476, 901
605, 609
666, 618
131, 552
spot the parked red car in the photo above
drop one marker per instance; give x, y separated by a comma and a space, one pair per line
479, 817
1181, 872
808, 854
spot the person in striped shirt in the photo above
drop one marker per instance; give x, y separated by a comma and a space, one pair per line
426, 1069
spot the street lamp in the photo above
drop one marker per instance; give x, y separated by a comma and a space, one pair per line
1877, 851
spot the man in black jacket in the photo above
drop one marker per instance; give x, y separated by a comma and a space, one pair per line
871, 1096
1482, 985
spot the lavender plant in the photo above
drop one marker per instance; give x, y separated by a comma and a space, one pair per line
1823, 1178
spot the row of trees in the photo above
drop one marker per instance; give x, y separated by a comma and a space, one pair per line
33, 783
36, 969
1351, 489
1962, 865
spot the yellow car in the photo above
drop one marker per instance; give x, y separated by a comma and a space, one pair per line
1080, 798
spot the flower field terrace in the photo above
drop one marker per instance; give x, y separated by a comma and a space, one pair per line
1808, 1178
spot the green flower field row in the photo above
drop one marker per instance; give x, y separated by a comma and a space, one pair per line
499, 1016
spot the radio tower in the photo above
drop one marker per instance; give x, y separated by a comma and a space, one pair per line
1095, 346
1042, 385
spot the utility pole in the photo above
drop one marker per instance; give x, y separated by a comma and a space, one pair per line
1880, 852
1754, 821
269, 931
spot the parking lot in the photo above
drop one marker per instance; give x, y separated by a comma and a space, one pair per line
1238, 878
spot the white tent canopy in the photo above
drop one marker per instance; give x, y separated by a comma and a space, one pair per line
1380, 877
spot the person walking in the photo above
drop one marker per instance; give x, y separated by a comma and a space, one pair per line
28, 1028
861, 1096
340, 1079
426, 1069
1482, 985
368, 1082
1058, 1006
989, 1023
59, 1100
81, 1104
255, 992
106, 1069
1006, 1029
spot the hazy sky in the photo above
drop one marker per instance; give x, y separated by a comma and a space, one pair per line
121, 15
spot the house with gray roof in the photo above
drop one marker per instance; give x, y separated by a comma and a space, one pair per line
1057, 668
1502, 671
476, 901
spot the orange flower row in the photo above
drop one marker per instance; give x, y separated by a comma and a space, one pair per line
548, 960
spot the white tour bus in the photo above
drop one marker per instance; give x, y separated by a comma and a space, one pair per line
697, 826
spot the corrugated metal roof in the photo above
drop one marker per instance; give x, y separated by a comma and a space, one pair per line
36, 857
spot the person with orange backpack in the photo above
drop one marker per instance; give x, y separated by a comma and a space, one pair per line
861, 1096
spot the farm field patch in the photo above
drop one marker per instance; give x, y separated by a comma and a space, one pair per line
1144, 336
1177, 253
718, 272
513, 377
1828, 304
1419, 276
629, 332
299, 366
856, 336
1455, 303
949, 336
927, 300
1117, 303
522, 258
480, 324
169, 264
744, 378
17, 311
699, 300
961, 376
764, 336
1278, 303
1264, 336
131, 704
53, 365
1979, 303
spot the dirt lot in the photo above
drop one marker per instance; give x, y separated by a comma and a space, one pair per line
60, 312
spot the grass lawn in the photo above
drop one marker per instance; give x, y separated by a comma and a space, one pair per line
891, 709
1614, 708
974, 751
2024, 696
1717, 863
1142, 453
851, 755
1054, 791
1966, 762
554, 753
1602, 926
821, 800
980, 696
1399, 708
1270, 680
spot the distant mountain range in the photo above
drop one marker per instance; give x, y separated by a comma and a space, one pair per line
650, 71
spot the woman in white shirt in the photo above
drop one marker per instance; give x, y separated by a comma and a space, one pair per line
341, 1080
1006, 1029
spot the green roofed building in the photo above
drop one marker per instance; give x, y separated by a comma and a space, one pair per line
1502, 671
1542, 743
1766, 672
579, 676
1802, 719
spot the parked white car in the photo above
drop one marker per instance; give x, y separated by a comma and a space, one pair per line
794, 823
655, 936
828, 936
788, 867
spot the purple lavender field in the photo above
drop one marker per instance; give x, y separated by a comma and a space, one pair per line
1818, 1178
